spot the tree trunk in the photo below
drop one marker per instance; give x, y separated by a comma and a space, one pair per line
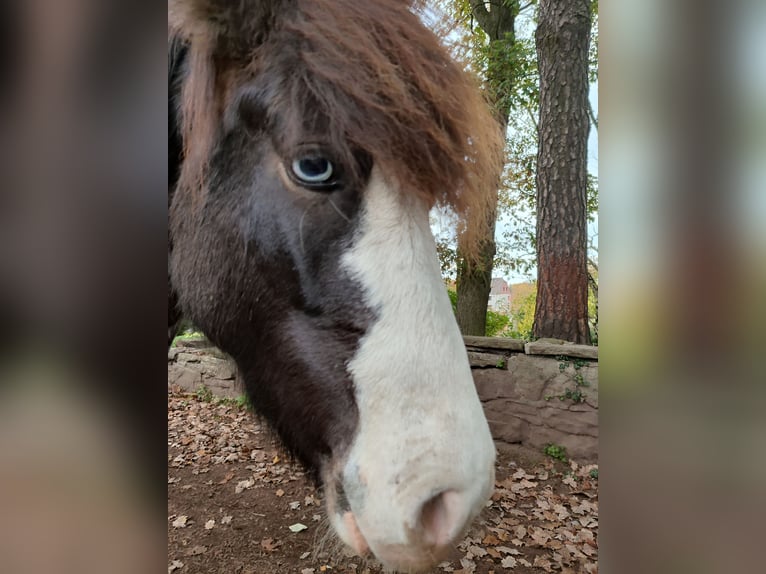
474, 280
562, 38
474, 276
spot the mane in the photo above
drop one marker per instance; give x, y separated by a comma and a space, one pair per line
383, 79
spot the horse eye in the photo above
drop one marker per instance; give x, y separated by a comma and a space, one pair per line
313, 170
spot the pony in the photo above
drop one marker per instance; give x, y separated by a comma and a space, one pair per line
308, 140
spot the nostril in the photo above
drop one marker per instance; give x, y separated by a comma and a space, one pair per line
442, 518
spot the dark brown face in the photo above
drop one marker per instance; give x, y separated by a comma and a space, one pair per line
258, 268
304, 251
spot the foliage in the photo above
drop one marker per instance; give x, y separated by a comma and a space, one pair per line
509, 66
575, 394
204, 394
593, 299
522, 316
556, 451
496, 322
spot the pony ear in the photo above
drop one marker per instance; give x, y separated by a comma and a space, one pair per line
233, 26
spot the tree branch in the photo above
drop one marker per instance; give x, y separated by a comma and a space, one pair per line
593, 118
481, 13
532, 117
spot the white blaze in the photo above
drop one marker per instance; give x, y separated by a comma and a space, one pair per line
422, 429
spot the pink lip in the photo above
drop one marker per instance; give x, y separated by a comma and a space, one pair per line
358, 542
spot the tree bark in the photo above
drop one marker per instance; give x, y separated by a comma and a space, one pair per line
562, 38
474, 276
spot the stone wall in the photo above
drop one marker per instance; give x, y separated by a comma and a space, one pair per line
539, 393
531, 392
194, 363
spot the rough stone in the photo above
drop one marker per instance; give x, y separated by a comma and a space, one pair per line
573, 422
498, 343
515, 404
492, 383
543, 347
186, 378
514, 397
504, 428
482, 360
578, 447
187, 357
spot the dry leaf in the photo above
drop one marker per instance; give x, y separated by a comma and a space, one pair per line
180, 522
506, 550
508, 562
280, 493
226, 520
243, 485
298, 527
269, 544
209, 524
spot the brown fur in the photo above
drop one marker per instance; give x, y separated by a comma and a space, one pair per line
384, 80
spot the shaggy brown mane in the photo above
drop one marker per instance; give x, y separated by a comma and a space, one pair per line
382, 78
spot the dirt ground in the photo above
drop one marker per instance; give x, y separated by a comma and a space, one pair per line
233, 498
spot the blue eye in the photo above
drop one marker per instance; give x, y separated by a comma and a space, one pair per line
313, 170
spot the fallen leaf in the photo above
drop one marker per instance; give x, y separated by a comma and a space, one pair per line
280, 493
269, 544
508, 562
540, 536
243, 485
506, 550
543, 563
295, 505
490, 540
226, 520
298, 527
180, 522
209, 524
